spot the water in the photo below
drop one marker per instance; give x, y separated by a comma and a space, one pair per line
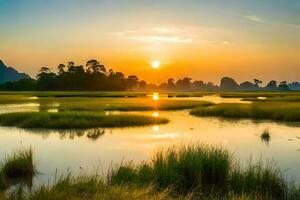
93, 150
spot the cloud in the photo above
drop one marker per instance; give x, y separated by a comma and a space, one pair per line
167, 35
254, 18
158, 34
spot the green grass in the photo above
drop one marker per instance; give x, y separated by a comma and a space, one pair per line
82, 101
75, 120
86, 187
287, 111
204, 171
19, 164
187, 172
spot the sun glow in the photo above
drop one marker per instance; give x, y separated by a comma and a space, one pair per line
155, 64
155, 96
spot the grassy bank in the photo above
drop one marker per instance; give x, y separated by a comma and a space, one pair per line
287, 111
75, 120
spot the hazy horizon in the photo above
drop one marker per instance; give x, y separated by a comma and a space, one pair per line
204, 40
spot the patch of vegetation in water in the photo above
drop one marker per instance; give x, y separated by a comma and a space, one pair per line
265, 136
75, 120
288, 111
138, 104
18, 165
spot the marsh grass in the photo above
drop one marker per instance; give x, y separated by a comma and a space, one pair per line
263, 179
84, 187
287, 111
128, 104
75, 120
17, 165
205, 171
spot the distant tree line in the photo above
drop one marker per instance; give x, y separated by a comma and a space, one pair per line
95, 77
229, 84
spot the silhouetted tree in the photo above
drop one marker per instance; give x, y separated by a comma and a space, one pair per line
132, 81
257, 82
272, 85
283, 86
171, 84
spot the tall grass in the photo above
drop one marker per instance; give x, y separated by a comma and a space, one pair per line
75, 120
86, 187
19, 164
205, 171
284, 111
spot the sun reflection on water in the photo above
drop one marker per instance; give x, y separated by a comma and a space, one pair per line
155, 114
155, 128
155, 96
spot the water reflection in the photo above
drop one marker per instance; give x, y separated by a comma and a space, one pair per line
155, 114
61, 150
92, 134
155, 96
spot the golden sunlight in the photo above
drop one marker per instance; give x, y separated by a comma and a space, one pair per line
155, 64
155, 96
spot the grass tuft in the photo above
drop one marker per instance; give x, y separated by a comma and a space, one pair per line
17, 165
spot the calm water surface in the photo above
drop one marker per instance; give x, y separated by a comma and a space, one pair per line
92, 150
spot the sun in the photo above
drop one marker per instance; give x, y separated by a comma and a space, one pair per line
155, 64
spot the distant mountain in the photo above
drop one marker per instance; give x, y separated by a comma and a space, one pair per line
10, 74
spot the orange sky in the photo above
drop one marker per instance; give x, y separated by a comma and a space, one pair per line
196, 39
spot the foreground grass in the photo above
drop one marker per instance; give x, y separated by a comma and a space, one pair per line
75, 120
18, 165
86, 187
204, 172
288, 111
189, 172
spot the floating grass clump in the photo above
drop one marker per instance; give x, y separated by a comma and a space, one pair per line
204, 171
265, 136
288, 111
19, 164
75, 120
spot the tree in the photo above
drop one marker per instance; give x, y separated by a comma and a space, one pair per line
171, 84
142, 85
283, 86
132, 81
257, 82
272, 85
46, 80
94, 67
61, 69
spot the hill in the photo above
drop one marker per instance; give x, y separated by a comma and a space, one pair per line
10, 74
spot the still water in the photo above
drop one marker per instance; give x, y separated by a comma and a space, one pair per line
93, 150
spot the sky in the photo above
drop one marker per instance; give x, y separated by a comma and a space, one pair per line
201, 39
